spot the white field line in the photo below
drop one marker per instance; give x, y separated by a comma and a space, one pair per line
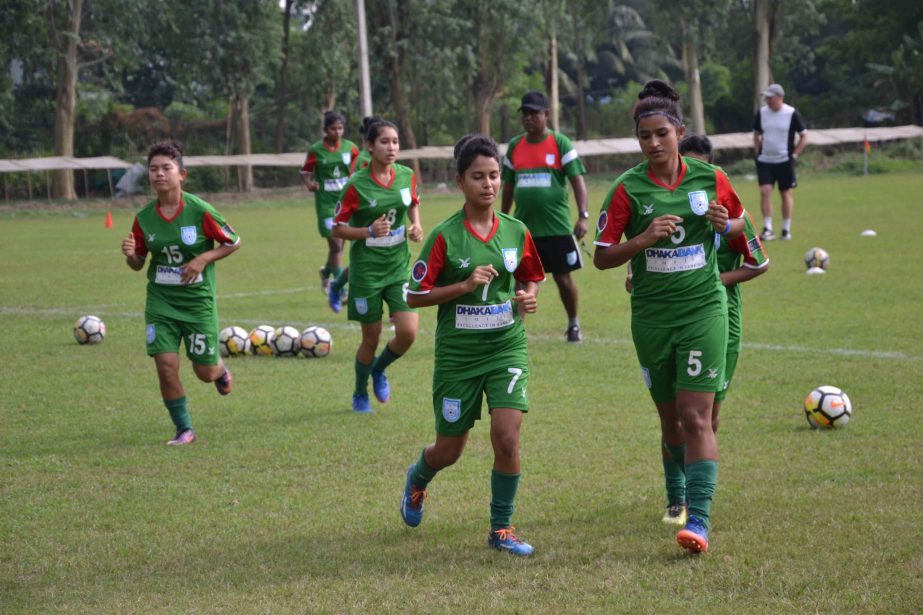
104, 309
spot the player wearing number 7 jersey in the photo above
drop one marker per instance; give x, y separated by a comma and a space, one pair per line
669, 209
469, 267
179, 231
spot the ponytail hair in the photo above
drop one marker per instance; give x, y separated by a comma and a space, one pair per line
367, 121
658, 98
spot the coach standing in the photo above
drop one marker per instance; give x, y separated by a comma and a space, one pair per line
534, 169
774, 131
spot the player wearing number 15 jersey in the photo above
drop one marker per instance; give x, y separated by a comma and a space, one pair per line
179, 231
669, 209
469, 267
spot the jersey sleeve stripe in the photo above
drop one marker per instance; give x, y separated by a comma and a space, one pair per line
214, 231
435, 261
619, 214
140, 243
569, 157
309, 163
530, 267
507, 163
727, 197
349, 203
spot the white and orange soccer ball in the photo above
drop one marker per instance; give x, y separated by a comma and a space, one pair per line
89, 330
233, 342
286, 342
827, 407
816, 258
316, 342
261, 340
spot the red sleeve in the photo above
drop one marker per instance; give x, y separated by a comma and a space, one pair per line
348, 204
614, 218
140, 244
353, 158
745, 246
426, 273
414, 197
726, 195
309, 163
530, 265
214, 232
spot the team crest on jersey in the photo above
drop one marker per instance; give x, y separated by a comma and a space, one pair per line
698, 201
549, 159
405, 196
151, 334
362, 305
451, 409
188, 234
347, 158
603, 219
419, 271
510, 259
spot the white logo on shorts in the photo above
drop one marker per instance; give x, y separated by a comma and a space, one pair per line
646, 374
712, 373
451, 409
571, 258
151, 334
362, 306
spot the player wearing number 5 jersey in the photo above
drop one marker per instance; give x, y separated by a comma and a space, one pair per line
379, 212
669, 209
179, 231
469, 267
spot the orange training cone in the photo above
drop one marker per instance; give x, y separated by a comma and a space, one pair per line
109, 219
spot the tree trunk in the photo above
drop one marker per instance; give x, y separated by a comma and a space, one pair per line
397, 84
282, 89
581, 71
762, 57
66, 96
691, 68
242, 115
553, 93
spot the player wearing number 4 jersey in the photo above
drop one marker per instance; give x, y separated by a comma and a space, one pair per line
669, 209
180, 231
379, 212
470, 267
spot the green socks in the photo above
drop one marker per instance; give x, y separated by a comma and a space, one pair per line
422, 473
503, 494
362, 378
701, 478
179, 413
383, 360
674, 473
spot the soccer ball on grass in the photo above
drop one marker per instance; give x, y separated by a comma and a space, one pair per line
816, 258
89, 330
260, 340
316, 342
827, 407
233, 342
286, 342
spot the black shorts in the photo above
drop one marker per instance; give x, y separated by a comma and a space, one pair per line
783, 173
559, 253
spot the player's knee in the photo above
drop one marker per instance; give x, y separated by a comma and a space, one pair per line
506, 445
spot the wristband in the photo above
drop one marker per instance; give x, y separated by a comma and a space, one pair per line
727, 228
371, 232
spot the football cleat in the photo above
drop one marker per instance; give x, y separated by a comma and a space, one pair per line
786, 235
334, 298
505, 540
675, 515
412, 502
183, 436
693, 537
573, 334
767, 235
361, 403
225, 383
324, 282
380, 386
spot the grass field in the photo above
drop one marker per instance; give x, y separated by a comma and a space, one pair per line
289, 502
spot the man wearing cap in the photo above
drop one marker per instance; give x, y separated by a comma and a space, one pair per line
774, 144
534, 171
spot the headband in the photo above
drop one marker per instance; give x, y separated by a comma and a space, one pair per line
675, 120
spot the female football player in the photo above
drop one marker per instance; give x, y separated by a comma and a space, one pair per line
179, 231
669, 209
469, 267
325, 173
378, 211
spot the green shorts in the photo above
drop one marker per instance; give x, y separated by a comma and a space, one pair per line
457, 404
730, 364
689, 357
324, 219
201, 337
366, 305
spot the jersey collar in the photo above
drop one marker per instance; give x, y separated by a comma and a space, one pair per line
493, 230
179, 210
679, 180
331, 150
375, 179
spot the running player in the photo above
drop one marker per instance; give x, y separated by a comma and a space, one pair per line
379, 211
337, 293
534, 171
179, 231
669, 209
470, 267
739, 260
325, 173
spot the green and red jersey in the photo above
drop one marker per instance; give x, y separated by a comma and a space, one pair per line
747, 250
331, 169
479, 331
173, 242
676, 280
377, 262
539, 171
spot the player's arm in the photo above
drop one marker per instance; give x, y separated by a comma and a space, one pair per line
617, 254
307, 172
743, 274
415, 231
757, 143
134, 248
482, 274
193, 268
802, 143
580, 194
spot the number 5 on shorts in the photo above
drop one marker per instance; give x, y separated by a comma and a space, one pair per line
695, 366
516, 374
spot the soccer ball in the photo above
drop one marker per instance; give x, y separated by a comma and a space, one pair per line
286, 342
816, 258
260, 340
316, 342
89, 330
827, 407
233, 342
